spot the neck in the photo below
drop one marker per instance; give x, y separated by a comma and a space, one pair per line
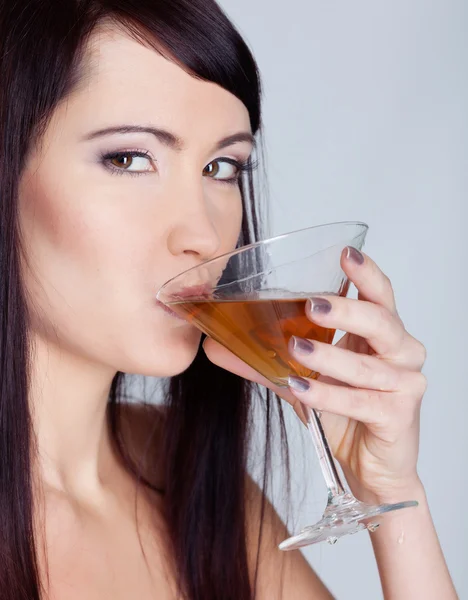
68, 400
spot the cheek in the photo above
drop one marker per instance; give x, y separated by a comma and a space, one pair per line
83, 258
73, 226
52, 218
229, 221
88, 275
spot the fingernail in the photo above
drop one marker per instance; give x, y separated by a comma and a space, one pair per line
319, 305
354, 255
299, 384
301, 345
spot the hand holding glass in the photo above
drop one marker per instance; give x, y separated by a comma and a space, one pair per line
252, 300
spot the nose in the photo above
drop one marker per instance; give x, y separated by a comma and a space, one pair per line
193, 231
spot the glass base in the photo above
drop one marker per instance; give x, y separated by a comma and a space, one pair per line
344, 515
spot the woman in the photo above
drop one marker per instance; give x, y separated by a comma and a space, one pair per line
166, 95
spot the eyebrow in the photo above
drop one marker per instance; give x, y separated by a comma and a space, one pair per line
167, 138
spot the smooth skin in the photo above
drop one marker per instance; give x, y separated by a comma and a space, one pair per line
97, 248
101, 236
370, 391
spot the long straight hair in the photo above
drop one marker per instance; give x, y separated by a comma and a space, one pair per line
207, 427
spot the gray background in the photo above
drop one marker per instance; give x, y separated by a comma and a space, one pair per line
366, 119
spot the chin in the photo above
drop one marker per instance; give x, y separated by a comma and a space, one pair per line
169, 355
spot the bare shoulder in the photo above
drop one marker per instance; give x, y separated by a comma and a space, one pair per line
281, 575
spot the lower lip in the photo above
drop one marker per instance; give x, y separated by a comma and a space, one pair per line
169, 311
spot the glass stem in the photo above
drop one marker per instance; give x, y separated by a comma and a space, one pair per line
327, 462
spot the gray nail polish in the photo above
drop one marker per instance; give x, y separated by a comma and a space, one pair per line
320, 305
298, 383
354, 255
301, 345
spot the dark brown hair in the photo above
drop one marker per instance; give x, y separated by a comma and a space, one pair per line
205, 444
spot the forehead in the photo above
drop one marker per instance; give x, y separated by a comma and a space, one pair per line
128, 81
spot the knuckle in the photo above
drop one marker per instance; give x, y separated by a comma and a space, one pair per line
387, 288
383, 317
387, 283
419, 384
419, 352
413, 387
414, 350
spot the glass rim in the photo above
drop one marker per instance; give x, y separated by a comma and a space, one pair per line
365, 226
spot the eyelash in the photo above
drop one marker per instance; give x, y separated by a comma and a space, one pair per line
247, 166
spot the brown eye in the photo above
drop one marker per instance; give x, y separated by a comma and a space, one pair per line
211, 169
222, 170
124, 161
133, 162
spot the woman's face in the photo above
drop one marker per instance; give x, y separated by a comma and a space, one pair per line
103, 232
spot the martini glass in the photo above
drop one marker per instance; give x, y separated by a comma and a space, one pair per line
252, 300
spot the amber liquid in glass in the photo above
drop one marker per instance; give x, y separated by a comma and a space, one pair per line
257, 330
